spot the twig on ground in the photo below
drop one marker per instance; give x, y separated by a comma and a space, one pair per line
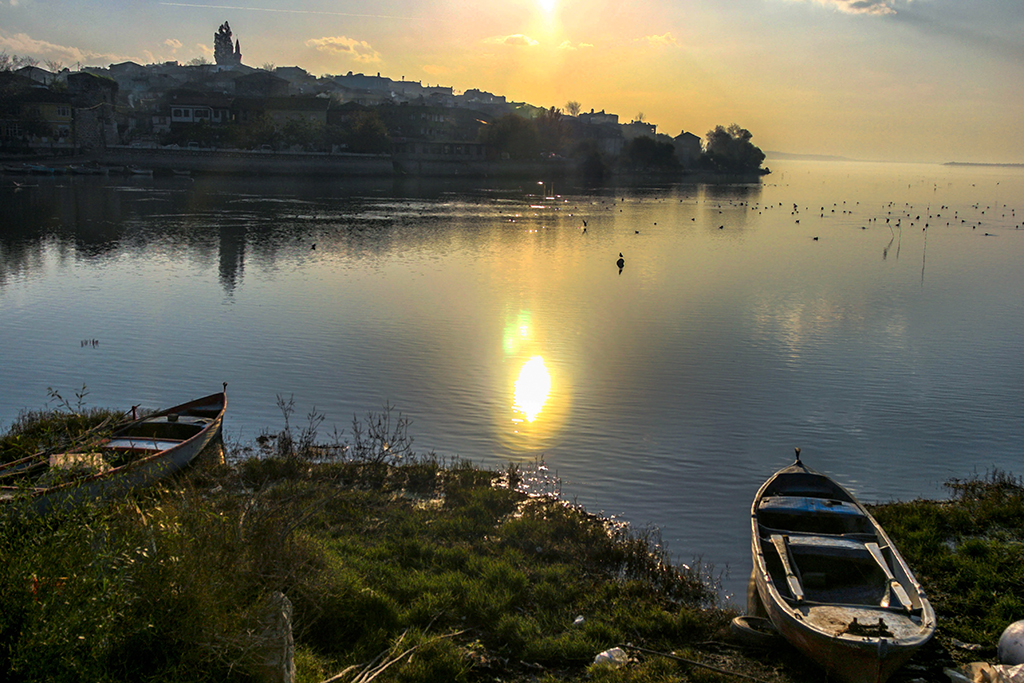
692, 662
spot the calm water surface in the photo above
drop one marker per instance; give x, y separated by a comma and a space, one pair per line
871, 314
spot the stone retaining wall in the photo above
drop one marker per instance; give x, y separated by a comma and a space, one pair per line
249, 163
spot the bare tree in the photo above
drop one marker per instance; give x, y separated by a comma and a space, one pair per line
14, 62
572, 107
640, 117
269, 66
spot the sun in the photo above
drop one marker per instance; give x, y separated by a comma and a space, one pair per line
547, 6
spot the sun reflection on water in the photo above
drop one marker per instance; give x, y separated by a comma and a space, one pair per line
532, 389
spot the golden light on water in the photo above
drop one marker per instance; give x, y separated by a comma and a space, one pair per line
532, 388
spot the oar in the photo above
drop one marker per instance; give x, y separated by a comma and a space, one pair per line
781, 547
894, 586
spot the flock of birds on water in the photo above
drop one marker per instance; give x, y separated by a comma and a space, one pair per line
894, 215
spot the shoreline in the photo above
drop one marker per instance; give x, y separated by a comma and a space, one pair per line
351, 165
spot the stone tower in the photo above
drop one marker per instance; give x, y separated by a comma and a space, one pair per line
222, 49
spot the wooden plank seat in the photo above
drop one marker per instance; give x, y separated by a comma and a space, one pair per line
141, 443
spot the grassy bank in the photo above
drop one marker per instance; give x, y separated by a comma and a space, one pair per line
404, 567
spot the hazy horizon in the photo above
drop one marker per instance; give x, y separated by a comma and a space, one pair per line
895, 80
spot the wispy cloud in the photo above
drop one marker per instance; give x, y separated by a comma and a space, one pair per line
23, 44
357, 50
877, 7
517, 39
664, 40
568, 45
173, 43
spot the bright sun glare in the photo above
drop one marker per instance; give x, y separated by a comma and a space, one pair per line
532, 388
547, 5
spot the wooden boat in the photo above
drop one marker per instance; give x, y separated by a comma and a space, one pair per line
831, 581
136, 454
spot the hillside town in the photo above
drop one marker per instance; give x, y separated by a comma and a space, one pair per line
203, 115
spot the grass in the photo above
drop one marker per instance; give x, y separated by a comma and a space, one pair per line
408, 568
398, 567
968, 553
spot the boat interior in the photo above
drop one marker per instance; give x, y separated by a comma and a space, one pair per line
820, 547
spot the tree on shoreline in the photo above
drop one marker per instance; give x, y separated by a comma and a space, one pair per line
729, 150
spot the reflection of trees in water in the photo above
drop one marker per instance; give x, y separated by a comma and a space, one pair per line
232, 223
232, 256
59, 216
741, 192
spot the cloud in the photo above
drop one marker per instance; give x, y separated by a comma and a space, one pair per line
666, 40
877, 7
357, 50
172, 43
567, 45
517, 39
25, 45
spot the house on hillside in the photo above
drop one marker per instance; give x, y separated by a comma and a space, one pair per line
300, 81
96, 121
601, 129
33, 116
599, 118
246, 110
421, 122
688, 148
363, 97
261, 84
362, 82
187, 106
306, 109
37, 74
638, 129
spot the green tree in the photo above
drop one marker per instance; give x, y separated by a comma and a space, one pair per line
513, 136
367, 133
730, 150
645, 153
550, 131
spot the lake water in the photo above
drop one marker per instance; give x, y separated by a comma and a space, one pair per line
871, 314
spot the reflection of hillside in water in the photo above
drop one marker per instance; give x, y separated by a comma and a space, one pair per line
232, 223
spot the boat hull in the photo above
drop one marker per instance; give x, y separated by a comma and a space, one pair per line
148, 449
808, 537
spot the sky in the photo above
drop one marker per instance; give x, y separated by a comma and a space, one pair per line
897, 80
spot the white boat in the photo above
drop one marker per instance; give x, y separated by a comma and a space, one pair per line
136, 454
830, 579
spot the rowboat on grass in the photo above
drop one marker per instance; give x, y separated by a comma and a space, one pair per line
135, 454
830, 579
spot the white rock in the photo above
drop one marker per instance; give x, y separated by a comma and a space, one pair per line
614, 657
1011, 644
